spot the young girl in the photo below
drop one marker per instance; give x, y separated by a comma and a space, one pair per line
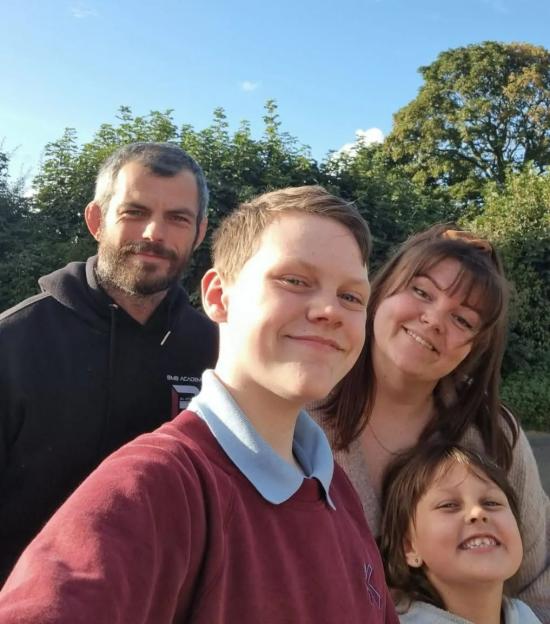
450, 538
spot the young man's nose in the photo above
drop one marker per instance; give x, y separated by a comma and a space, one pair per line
324, 307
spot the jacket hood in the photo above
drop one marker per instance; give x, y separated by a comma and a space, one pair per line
75, 286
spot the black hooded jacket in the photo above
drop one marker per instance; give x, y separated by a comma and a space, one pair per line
79, 377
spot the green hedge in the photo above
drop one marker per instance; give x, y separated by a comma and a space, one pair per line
527, 393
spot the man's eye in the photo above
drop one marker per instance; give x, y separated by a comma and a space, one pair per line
181, 218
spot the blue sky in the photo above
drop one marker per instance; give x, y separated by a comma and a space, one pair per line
332, 67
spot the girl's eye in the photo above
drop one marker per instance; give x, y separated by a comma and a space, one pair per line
492, 503
448, 505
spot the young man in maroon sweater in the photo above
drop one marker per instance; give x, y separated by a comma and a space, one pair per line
234, 512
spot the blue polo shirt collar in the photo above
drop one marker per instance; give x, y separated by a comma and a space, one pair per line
274, 478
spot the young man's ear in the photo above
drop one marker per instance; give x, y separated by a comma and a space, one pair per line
413, 559
214, 296
201, 232
93, 216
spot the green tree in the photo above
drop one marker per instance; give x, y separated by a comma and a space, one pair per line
15, 234
392, 204
236, 165
483, 111
516, 218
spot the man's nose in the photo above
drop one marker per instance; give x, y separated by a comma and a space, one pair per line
153, 230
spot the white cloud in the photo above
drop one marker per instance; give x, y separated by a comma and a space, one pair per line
82, 11
248, 85
362, 138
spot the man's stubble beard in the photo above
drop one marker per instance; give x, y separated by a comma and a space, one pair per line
115, 269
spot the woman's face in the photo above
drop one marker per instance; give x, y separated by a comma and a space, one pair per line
422, 332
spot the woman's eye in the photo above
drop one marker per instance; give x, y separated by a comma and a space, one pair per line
420, 293
463, 322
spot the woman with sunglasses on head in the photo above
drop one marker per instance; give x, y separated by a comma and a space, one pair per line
430, 369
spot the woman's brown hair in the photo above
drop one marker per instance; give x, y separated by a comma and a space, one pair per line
469, 395
405, 482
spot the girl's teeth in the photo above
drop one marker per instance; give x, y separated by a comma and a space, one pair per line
478, 542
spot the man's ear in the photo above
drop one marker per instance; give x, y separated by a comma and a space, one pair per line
413, 559
201, 232
214, 296
93, 216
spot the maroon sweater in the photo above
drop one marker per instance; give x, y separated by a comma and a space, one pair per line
167, 530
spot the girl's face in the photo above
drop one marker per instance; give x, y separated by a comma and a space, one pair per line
464, 532
424, 332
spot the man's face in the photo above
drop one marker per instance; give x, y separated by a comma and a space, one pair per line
295, 315
148, 231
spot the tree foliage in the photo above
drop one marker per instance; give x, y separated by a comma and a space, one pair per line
517, 219
397, 187
483, 111
15, 234
391, 203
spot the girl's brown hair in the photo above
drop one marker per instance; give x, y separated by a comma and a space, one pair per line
469, 395
405, 482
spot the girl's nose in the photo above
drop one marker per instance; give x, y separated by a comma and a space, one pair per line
477, 514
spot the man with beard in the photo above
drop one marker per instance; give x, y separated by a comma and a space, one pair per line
111, 348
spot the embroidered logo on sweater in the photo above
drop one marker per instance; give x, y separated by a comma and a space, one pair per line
374, 595
181, 397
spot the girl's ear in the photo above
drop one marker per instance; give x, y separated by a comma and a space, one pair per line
413, 559
214, 296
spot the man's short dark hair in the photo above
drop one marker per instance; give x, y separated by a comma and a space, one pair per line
162, 159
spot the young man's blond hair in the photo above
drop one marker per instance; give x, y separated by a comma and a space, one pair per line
238, 235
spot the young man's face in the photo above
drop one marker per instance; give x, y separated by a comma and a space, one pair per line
294, 317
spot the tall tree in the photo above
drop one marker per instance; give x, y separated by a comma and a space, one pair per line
391, 203
15, 234
517, 219
236, 165
483, 110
